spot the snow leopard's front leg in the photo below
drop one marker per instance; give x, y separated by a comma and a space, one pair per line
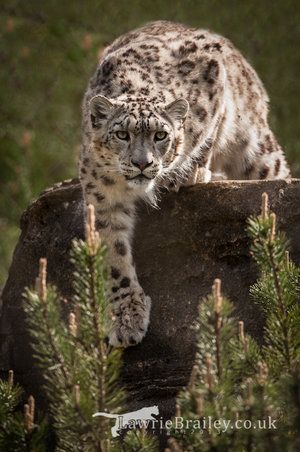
130, 306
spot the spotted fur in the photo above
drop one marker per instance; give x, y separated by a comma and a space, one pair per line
168, 106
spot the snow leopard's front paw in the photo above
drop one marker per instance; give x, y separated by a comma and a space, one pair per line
203, 175
131, 318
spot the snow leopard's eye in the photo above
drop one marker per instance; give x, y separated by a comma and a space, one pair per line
122, 135
159, 136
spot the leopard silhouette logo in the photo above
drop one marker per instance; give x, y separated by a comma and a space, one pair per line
140, 418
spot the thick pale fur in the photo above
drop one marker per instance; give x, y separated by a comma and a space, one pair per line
168, 106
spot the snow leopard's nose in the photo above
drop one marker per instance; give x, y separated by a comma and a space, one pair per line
142, 164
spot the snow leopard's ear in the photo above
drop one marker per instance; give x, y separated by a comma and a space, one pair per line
178, 109
100, 109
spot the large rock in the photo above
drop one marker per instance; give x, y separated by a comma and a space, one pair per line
197, 235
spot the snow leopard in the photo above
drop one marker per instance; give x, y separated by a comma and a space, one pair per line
168, 106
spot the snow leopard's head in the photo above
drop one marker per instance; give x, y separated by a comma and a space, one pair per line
140, 138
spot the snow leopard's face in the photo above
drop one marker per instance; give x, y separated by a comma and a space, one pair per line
141, 140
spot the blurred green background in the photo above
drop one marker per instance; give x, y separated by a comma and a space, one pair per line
49, 48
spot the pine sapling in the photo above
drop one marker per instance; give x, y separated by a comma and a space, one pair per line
80, 369
19, 432
256, 388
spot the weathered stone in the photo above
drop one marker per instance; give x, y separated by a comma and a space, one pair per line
197, 235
